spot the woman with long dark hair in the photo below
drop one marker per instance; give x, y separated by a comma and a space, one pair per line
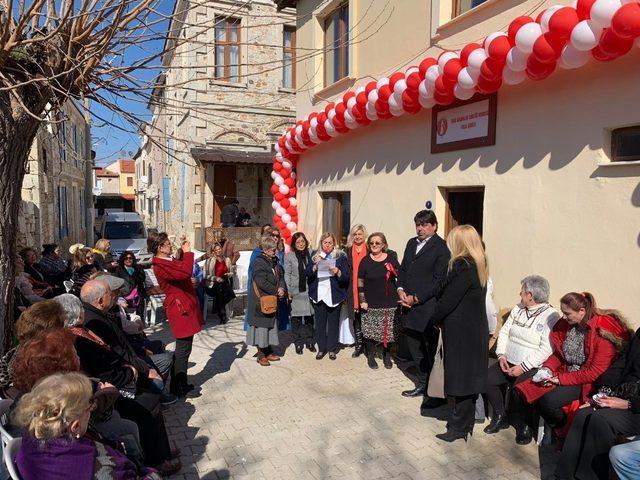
181, 303
295, 264
133, 291
217, 271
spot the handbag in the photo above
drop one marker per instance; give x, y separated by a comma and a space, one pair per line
268, 303
435, 389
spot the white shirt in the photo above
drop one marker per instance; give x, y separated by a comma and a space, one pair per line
324, 289
421, 243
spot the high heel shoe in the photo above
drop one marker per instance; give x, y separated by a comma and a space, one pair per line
452, 436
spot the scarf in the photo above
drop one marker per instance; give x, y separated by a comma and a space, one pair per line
303, 259
356, 259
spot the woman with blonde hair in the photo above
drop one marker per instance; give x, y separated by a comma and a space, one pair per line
55, 417
462, 317
356, 251
82, 267
102, 255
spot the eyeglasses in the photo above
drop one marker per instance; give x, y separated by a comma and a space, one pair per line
129, 258
376, 243
277, 235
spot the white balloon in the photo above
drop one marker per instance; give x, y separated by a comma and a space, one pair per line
381, 82
573, 58
373, 96
425, 89
350, 123
512, 77
426, 102
465, 80
546, 16
331, 114
585, 35
395, 102
277, 147
396, 112
527, 36
328, 126
293, 175
433, 72
287, 135
313, 136
275, 205
491, 38
291, 226
286, 164
280, 211
274, 175
313, 123
287, 144
517, 60
410, 71
284, 189
474, 62
400, 86
293, 202
372, 114
286, 218
602, 11
463, 93
299, 140
444, 58
298, 129
278, 180
360, 89
279, 156
351, 102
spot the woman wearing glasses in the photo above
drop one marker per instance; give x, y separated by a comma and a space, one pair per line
181, 304
378, 297
283, 303
82, 267
133, 290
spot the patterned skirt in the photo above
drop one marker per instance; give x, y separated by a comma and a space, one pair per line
380, 324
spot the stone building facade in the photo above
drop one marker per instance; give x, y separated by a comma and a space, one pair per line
56, 190
217, 109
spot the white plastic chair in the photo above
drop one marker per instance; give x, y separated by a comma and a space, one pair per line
9, 454
5, 404
155, 301
68, 285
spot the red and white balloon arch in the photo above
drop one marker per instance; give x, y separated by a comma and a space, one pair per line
562, 36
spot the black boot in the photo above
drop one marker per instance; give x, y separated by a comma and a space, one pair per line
386, 358
524, 435
498, 422
359, 338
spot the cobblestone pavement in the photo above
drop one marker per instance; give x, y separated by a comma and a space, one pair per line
308, 419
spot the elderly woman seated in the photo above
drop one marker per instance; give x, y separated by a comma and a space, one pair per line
55, 416
613, 412
523, 344
26, 287
585, 342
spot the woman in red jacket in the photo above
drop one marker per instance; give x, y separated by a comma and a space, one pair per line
181, 304
585, 343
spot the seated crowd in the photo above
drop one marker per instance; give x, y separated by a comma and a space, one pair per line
576, 367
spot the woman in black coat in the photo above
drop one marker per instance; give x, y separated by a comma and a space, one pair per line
461, 314
133, 290
596, 426
268, 279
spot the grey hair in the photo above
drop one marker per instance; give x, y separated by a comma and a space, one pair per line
94, 290
72, 307
268, 242
537, 286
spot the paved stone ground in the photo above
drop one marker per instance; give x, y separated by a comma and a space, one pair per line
308, 419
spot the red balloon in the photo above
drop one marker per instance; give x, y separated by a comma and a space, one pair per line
279, 197
275, 189
466, 51
583, 9
347, 96
340, 109
370, 87
442, 86
284, 173
275, 219
515, 25
499, 48
491, 70
277, 166
289, 182
339, 125
384, 92
562, 22
425, 64
284, 203
488, 85
537, 70
626, 21
294, 144
361, 99
413, 81
382, 110
394, 78
613, 45
451, 70
328, 107
548, 47
291, 210
292, 192
294, 218
410, 102
443, 98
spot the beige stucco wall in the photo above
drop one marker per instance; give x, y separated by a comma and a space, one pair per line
549, 207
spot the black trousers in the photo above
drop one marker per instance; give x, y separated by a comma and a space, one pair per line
153, 434
585, 454
302, 330
550, 405
327, 326
422, 348
497, 380
181, 355
463, 416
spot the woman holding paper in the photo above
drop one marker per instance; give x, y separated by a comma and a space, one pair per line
328, 274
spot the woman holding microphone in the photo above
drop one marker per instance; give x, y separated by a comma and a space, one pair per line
181, 303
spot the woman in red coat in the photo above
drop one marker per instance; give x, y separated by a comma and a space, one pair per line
585, 343
181, 304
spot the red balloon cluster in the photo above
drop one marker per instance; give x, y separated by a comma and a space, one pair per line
560, 36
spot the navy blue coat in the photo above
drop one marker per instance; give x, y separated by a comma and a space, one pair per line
339, 285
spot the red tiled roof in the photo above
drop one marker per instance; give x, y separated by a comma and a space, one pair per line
127, 166
101, 172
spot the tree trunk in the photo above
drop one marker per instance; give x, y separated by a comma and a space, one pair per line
17, 132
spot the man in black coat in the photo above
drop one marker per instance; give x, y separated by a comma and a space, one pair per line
423, 268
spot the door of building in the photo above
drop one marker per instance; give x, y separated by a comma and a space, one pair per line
224, 189
464, 206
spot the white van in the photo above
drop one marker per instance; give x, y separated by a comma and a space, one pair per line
125, 231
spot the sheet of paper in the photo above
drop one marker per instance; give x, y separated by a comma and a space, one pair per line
323, 267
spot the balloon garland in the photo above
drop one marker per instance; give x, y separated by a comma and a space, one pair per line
561, 36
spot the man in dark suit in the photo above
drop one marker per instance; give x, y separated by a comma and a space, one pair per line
423, 268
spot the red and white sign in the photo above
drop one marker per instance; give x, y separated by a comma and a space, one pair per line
463, 123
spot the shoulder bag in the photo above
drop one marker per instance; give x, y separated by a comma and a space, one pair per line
268, 303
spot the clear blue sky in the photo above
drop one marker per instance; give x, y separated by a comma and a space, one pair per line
109, 142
